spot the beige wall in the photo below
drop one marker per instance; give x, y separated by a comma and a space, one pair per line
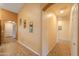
49, 31
30, 12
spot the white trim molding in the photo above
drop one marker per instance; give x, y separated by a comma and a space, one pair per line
29, 48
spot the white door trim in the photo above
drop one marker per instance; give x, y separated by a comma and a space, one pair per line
74, 29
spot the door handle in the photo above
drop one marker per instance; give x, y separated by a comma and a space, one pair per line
74, 43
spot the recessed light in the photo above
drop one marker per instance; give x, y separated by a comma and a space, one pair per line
9, 21
49, 15
13, 22
61, 11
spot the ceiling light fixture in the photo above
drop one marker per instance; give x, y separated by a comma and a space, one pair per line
10, 21
49, 15
61, 11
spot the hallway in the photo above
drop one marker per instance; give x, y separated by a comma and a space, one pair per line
12, 48
38, 29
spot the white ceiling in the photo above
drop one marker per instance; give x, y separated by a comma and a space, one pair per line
14, 7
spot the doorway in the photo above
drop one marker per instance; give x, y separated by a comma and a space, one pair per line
58, 33
9, 31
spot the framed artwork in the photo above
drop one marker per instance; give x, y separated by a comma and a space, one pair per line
20, 21
24, 23
31, 27
59, 27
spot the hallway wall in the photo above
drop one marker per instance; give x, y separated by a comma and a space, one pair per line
30, 12
49, 32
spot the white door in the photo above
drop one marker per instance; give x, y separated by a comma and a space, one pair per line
8, 29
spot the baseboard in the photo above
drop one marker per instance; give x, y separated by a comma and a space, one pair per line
52, 48
29, 48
